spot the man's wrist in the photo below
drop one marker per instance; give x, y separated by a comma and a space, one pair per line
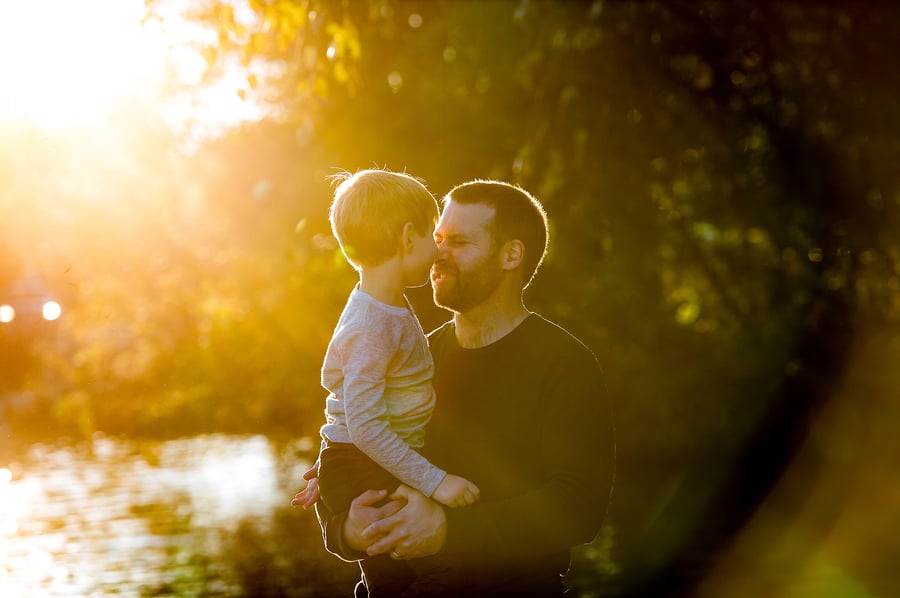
335, 542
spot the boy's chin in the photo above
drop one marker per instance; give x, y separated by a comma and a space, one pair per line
416, 285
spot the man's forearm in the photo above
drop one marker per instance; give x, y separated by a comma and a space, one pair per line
545, 520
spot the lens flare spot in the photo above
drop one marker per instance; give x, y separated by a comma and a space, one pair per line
51, 310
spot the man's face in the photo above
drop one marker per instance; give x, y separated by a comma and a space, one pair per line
466, 270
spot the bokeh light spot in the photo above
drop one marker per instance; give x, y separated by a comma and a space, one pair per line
395, 80
51, 310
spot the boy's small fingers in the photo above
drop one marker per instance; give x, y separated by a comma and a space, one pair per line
311, 473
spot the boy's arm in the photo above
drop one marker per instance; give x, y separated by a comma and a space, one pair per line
366, 355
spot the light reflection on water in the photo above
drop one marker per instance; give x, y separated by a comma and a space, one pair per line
130, 519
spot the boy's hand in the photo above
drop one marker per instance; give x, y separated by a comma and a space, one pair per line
307, 497
454, 491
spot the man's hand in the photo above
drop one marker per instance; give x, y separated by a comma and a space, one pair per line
307, 497
363, 514
416, 530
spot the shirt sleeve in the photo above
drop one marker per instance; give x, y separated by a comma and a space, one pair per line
573, 478
332, 533
366, 353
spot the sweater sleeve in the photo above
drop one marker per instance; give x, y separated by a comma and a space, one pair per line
573, 477
366, 353
332, 533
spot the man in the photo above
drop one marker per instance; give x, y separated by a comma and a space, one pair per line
522, 412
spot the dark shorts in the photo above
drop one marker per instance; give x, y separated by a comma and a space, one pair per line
345, 472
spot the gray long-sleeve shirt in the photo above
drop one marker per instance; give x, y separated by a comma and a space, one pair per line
378, 372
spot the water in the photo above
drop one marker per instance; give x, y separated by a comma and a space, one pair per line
142, 519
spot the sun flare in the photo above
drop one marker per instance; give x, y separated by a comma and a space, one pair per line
65, 62
68, 62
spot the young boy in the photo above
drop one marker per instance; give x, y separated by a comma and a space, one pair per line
378, 367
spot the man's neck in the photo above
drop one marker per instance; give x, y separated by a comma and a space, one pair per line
480, 327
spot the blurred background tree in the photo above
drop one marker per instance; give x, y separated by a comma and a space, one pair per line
720, 179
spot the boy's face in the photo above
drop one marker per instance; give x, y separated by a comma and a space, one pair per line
418, 264
466, 270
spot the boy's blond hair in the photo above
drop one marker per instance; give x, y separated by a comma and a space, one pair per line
370, 209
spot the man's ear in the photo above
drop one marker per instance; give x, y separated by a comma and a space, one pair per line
511, 254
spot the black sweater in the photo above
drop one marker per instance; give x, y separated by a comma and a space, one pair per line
527, 419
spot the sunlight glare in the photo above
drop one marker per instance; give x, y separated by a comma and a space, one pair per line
65, 62
9, 526
12, 504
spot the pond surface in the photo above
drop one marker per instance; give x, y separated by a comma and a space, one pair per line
140, 519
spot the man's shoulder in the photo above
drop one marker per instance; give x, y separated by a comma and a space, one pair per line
441, 340
557, 344
555, 334
441, 331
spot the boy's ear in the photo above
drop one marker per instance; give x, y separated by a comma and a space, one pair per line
407, 237
511, 254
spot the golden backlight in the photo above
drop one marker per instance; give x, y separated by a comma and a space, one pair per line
65, 63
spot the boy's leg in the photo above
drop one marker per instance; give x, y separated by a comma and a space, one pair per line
345, 472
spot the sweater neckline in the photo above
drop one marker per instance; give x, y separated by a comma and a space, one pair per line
500, 341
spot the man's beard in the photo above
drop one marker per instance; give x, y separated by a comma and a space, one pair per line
461, 291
